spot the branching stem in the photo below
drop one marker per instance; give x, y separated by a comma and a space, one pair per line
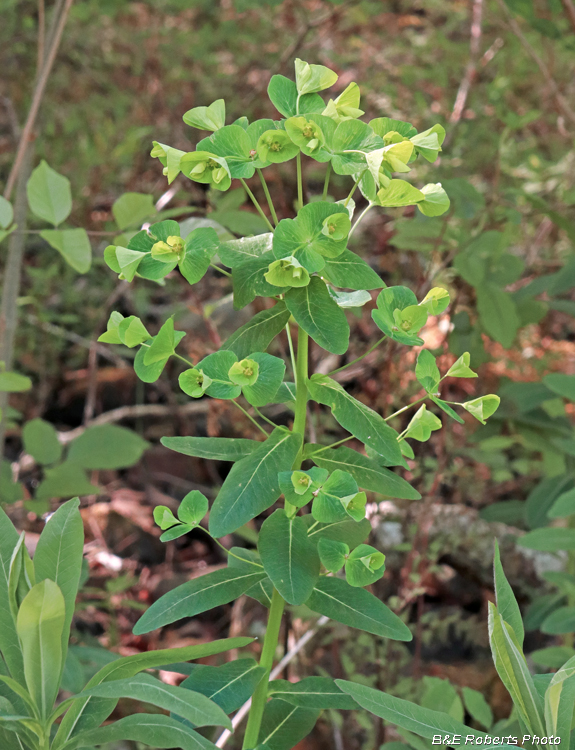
268, 197
256, 204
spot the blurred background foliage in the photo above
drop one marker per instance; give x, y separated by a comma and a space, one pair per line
500, 76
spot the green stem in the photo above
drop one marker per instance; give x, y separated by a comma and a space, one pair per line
359, 218
326, 183
349, 364
266, 660
249, 416
291, 349
256, 204
299, 183
221, 270
352, 191
301, 387
333, 445
405, 408
263, 416
268, 197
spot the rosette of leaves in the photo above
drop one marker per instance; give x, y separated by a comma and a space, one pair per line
311, 548
39, 596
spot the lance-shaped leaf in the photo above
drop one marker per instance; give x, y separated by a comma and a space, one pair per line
218, 449
477, 707
284, 725
289, 558
9, 644
304, 237
422, 721
40, 625
252, 485
317, 313
350, 271
312, 692
154, 730
357, 418
549, 539
514, 673
194, 707
58, 557
505, 599
357, 608
559, 701
229, 686
249, 560
258, 333
89, 713
198, 595
348, 531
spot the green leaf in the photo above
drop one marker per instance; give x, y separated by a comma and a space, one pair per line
422, 424
252, 485
552, 657
66, 480
58, 558
107, 447
477, 707
364, 566
40, 625
399, 193
483, 407
13, 382
249, 280
364, 423
332, 554
235, 252
304, 238
217, 366
287, 272
40, 440
563, 506
154, 730
217, 449
562, 385
559, 700
351, 142
435, 202
399, 316
312, 78
426, 371
89, 713
207, 118
229, 686
275, 147
9, 644
196, 596
232, 143
350, 271
505, 598
289, 558
357, 608
422, 721
163, 344
73, 245
6, 213
497, 313
436, 300
548, 539
270, 377
312, 692
190, 705
193, 508
460, 368
258, 333
248, 560
348, 531
164, 517
559, 622
10, 491
200, 247
283, 725
338, 496
283, 95
441, 695
132, 208
428, 143
317, 313
49, 194
512, 669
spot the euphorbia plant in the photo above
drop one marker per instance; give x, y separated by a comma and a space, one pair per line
311, 549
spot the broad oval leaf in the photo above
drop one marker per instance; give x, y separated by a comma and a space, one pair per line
319, 315
259, 332
40, 440
49, 194
73, 245
107, 447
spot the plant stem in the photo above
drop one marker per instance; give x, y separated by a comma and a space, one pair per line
291, 350
352, 191
256, 204
249, 416
359, 218
405, 408
268, 197
301, 387
349, 364
266, 660
263, 416
221, 270
333, 445
326, 183
299, 183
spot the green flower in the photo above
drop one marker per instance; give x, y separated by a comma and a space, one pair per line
397, 155
244, 372
287, 272
346, 106
276, 146
336, 226
207, 168
169, 251
306, 134
194, 382
301, 482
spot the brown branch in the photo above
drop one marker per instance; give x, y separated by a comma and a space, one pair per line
569, 8
471, 69
37, 100
546, 73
